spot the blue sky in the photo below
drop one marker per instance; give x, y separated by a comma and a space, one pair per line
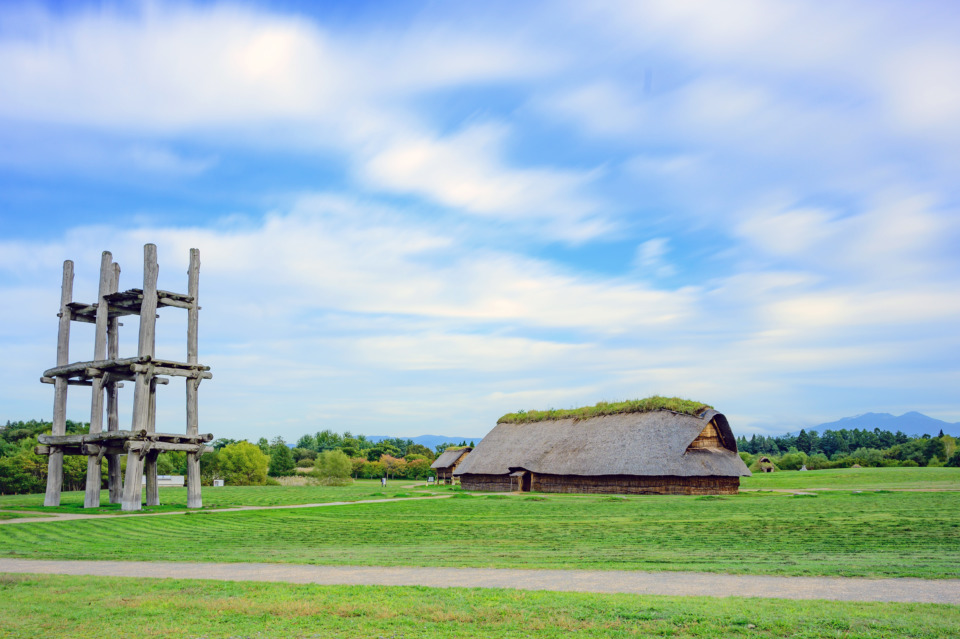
415, 217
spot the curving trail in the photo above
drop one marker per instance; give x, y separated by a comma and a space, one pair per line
943, 591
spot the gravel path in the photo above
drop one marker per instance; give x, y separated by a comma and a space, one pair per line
945, 591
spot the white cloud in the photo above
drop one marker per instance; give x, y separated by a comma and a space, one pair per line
161, 160
650, 257
789, 162
338, 304
465, 171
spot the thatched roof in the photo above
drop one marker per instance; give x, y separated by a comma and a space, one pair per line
646, 405
449, 457
649, 444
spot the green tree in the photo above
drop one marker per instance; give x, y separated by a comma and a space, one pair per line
264, 446
380, 450
221, 442
935, 448
281, 459
420, 449
803, 442
328, 440
209, 467
308, 442
243, 464
333, 468
172, 463
304, 456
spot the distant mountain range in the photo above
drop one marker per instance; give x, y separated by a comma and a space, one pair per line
912, 423
430, 441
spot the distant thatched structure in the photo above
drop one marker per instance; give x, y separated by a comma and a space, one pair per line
653, 452
764, 465
447, 462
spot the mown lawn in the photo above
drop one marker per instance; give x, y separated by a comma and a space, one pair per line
9, 515
858, 479
120, 607
225, 497
886, 534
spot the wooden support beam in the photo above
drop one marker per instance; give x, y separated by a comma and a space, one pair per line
153, 487
114, 474
150, 463
70, 382
141, 435
143, 447
194, 499
67, 440
55, 460
141, 396
198, 372
168, 301
91, 497
127, 367
132, 482
64, 370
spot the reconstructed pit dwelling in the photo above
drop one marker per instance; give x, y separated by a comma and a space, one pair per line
659, 452
447, 462
104, 374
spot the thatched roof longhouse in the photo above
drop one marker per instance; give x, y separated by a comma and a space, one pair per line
654, 443
449, 457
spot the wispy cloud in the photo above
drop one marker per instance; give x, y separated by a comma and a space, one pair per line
749, 203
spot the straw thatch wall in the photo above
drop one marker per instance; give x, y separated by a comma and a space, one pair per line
489, 483
658, 452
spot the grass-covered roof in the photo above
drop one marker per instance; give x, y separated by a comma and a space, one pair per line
675, 404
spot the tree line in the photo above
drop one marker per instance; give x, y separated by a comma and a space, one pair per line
328, 456
844, 448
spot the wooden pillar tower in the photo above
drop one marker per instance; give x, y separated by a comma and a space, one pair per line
104, 374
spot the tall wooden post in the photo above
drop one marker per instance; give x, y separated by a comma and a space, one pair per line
150, 463
114, 477
55, 461
92, 497
141, 395
194, 499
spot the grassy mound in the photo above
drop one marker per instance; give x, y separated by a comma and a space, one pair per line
656, 402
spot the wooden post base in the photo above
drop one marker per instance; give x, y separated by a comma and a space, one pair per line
114, 479
132, 483
150, 470
194, 499
54, 478
92, 497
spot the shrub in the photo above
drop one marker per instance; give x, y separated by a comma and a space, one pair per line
333, 468
243, 464
792, 461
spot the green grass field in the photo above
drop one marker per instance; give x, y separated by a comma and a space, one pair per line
9, 515
858, 479
226, 497
888, 534
94, 607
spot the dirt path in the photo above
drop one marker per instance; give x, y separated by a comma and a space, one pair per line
50, 517
944, 591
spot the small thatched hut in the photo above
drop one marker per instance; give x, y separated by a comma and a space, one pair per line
647, 452
765, 465
447, 462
